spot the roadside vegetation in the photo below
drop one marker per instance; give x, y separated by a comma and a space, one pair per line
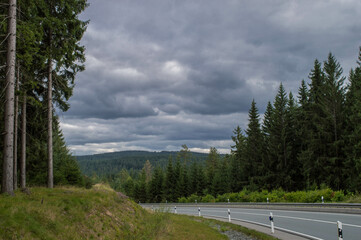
279, 195
97, 213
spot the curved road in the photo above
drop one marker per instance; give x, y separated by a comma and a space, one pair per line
312, 224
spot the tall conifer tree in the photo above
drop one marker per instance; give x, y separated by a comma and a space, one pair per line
254, 147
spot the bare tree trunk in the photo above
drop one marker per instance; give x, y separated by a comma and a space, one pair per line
16, 132
50, 126
23, 146
7, 178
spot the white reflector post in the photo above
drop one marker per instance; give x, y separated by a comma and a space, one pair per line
339, 230
175, 209
272, 225
199, 212
229, 215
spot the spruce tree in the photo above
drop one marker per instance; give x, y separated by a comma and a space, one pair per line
314, 156
170, 182
238, 151
268, 166
156, 186
279, 149
333, 103
352, 147
254, 145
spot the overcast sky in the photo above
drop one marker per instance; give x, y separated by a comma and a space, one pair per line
163, 73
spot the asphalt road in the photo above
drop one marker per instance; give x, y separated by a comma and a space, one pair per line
313, 225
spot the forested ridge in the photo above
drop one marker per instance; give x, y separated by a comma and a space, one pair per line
40, 57
109, 164
306, 142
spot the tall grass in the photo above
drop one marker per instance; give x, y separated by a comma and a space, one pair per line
98, 213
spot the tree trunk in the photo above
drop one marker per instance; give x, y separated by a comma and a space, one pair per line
23, 146
50, 125
16, 132
7, 177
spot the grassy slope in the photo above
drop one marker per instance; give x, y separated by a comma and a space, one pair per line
99, 213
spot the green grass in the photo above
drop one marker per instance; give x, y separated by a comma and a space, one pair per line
98, 213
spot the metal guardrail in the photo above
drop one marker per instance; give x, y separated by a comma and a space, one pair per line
226, 204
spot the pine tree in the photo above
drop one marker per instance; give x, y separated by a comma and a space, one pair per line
148, 171
7, 185
212, 164
194, 186
170, 182
254, 147
156, 186
333, 103
352, 147
142, 187
279, 149
238, 175
313, 157
63, 57
268, 165
293, 172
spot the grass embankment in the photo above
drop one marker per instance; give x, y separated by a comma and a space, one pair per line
98, 213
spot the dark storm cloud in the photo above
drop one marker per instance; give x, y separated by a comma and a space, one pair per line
162, 72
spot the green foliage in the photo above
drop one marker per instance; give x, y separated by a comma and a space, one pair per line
280, 195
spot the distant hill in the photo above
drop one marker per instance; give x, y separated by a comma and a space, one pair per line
111, 163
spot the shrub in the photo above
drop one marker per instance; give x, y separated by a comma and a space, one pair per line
192, 198
338, 196
208, 198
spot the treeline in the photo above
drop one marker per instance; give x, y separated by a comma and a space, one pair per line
302, 143
109, 164
40, 56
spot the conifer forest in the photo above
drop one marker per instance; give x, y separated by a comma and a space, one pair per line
307, 141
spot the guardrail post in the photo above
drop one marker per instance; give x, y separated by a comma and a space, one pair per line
175, 209
272, 224
199, 212
339, 230
229, 215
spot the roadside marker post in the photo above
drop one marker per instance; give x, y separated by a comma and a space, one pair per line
272, 224
175, 209
199, 212
267, 200
195, 201
228, 200
322, 199
339, 230
229, 215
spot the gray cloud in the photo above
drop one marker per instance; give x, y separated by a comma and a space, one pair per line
163, 73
